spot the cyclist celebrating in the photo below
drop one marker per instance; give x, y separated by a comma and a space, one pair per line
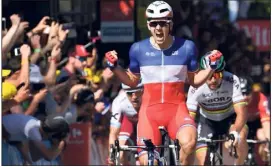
258, 114
124, 118
221, 102
164, 62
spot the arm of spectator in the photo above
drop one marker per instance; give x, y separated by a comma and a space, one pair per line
39, 28
53, 31
99, 107
107, 75
22, 95
24, 74
35, 43
37, 98
24, 150
9, 39
49, 154
50, 78
62, 34
21, 30
49, 46
76, 88
58, 88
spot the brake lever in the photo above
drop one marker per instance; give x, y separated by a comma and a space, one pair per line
232, 147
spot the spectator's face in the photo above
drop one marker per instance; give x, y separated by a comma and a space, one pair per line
215, 80
79, 63
135, 98
159, 29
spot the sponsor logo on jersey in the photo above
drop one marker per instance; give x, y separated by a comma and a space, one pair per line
149, 53
218, 99
114, 115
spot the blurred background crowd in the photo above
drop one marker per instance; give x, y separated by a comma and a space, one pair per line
53, 51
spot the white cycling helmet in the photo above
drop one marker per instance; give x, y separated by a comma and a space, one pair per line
127, 88
159, 9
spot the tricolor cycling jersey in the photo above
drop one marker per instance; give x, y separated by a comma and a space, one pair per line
216, 104
121, 105
258, 107
163, 72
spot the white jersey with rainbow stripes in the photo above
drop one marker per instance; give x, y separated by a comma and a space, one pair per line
216, 104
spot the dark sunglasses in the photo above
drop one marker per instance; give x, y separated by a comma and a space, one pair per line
130, 93
82, 59
155, 23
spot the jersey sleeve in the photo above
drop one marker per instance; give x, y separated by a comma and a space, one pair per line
116, 114
192, 102
134, 63
237, 96
263, 108
34, 134
192, 54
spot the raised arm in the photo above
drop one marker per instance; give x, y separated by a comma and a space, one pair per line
129, 77
50, 78
9, 39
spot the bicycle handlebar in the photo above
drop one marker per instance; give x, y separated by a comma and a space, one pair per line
207, 140
134, 148
257, 141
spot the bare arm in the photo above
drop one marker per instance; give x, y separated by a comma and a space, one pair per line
200, 77
9, 39
24, 149
48, 153
50, 78
38, 97
24, 74
127, 77
241, 117
114, 132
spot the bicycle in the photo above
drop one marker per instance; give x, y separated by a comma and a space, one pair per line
150, 148
251, 155
212, 149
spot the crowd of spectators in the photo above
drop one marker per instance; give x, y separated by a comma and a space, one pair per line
42, 75
40, 79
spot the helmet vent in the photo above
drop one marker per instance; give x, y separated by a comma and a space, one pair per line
163, 10
150, 10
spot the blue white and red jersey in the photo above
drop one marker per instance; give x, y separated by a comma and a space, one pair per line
163, 72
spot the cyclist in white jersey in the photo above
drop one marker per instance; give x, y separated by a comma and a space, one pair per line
124, 118
222, 110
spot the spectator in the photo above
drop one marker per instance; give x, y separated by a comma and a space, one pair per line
30, 129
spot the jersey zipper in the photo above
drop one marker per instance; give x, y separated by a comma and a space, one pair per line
162, 77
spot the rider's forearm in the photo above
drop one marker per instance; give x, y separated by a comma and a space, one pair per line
241, 117
113, 135
266, 128
126, 77
201, 77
